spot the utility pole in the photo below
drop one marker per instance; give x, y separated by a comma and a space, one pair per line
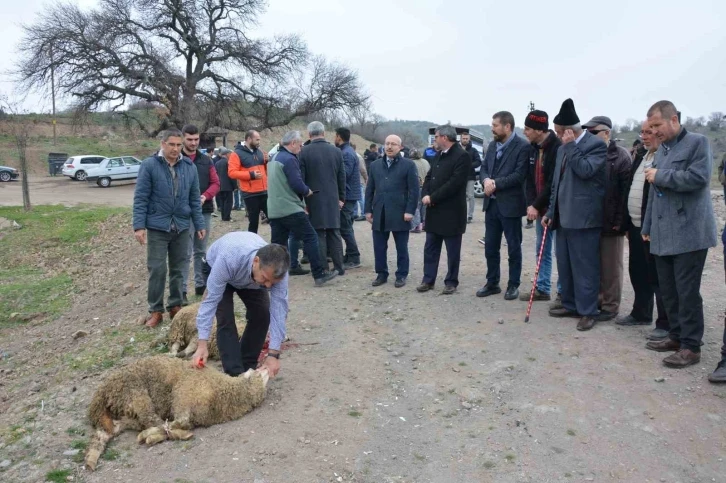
52, 90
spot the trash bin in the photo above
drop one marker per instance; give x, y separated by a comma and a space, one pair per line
56, 162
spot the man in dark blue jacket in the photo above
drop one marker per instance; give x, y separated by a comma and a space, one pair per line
392, 194
166, 204
502, 175
576, 214
352, 195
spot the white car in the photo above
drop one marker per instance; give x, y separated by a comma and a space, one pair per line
114, 169
77, 167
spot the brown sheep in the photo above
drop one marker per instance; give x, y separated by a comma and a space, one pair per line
165, 398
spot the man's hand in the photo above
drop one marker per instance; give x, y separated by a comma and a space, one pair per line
200, 355
568, 136
646, 238
256, 174
489, 186
273, 366
369, 218
546, 222
407, 217
203, 198
140, 236
341, 204
310, 193
532, 213
426, 200
201, 234
650, 175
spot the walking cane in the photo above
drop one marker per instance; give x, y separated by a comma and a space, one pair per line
536, 273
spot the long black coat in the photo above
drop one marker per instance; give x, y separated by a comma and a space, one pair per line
445, 183
225, 182
394, 191
321, 166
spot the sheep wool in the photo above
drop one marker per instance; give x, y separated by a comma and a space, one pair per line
165, 398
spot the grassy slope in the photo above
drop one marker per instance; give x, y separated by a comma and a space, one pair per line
33, 282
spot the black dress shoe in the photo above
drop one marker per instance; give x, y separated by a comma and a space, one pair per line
488, 289
629, 320
298, 271
512, 293
327, 277
379, 281
448, 290
563, 312
719, 375
604, 316
400, 282
185, 301
424, 287
586, 323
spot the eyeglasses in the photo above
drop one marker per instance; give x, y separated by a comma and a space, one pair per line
597, 131
391, 144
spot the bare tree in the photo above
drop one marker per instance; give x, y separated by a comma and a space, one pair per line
196, 58
21, 126
715, 121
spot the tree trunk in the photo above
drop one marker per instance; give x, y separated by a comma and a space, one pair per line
22, 144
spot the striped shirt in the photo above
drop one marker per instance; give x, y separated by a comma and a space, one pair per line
230, 259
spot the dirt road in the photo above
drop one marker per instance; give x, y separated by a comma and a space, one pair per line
46, 190
398, 386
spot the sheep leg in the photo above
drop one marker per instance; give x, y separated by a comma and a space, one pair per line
152, 436
191, 347
141, 406
180, 434
174, 351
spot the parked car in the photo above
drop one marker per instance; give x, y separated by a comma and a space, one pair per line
114, 169
7, 173
77, 167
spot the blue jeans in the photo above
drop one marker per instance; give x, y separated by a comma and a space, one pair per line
362, 202
297, 226
238, 202
545, 269
196, 251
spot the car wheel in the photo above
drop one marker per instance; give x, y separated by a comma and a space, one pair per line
104, 182
81, 175
478, 190
5, 176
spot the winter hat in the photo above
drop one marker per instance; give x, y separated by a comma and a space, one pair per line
538, 120
567, 115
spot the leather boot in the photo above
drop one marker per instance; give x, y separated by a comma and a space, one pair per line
153, 319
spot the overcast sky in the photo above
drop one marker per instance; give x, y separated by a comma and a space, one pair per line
464, 60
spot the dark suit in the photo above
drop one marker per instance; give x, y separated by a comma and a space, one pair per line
445, 184
322, 169
576, 211
505, 207
390, 194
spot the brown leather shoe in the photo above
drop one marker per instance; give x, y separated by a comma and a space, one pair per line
682, 358
153, 319
586, 323
666, 345
173, 311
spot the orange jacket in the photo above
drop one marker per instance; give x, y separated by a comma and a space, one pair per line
236, 170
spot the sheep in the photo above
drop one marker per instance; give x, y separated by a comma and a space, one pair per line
165, 398
182, 337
